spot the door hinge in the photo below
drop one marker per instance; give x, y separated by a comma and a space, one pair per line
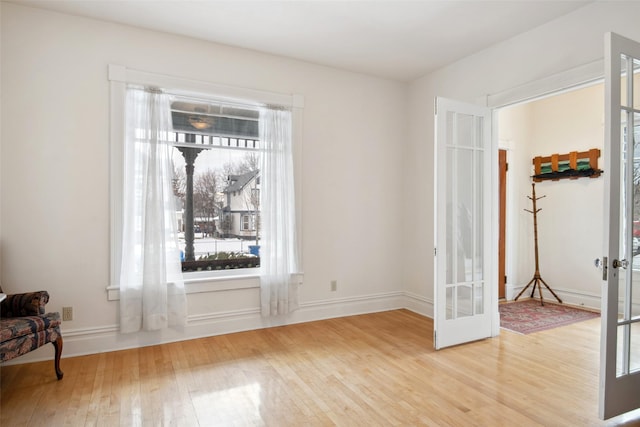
505, 278
506, 167
435, 251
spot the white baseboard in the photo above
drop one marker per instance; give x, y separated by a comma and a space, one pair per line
80, 342
568, 296
419, 304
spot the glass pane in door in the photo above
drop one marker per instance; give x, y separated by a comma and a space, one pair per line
634, 141
464, 216
451, 244
621, 350
478, 217
449, 302
465, 210
624, 89
634, 347
628, 353
478, 298
625, 276
466, 130
636, 83
629, 91
465, 301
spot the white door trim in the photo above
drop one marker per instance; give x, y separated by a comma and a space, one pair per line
582, 75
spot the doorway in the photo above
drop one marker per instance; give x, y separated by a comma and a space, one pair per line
571, 216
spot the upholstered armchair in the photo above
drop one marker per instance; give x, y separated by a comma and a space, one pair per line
24, 326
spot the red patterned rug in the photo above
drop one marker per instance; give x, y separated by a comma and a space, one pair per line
528, 316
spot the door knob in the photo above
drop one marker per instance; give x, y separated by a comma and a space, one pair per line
623, 263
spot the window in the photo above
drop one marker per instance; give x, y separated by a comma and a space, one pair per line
216, 182
230, 141
249, 223
245, 222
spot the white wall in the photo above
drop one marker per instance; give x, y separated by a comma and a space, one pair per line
55, 173
570, 222
568, 42
367, 161
515, 136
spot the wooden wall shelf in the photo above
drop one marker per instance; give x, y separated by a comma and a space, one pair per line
573, 165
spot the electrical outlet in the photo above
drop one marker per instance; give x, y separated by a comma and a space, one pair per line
334, 285
67, 313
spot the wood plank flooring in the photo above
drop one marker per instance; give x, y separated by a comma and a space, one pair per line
369, 370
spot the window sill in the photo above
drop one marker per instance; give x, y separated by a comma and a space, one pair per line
207, 281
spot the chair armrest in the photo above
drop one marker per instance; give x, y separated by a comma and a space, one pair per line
26, 304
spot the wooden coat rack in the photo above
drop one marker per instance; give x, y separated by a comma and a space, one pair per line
573, 165
537, 279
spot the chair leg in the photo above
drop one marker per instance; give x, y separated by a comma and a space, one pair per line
57, 344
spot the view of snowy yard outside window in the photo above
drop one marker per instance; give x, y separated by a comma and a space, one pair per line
222, 202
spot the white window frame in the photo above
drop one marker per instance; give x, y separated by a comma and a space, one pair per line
119, 77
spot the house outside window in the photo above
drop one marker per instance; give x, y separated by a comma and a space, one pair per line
243, 204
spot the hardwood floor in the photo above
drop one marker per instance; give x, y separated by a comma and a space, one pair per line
370, 370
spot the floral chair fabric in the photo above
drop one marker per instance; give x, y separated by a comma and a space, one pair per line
24, 326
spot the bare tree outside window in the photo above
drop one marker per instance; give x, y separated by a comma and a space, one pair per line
179, 182
206, 205
249, 163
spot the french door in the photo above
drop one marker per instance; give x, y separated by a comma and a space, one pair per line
620, 332
465, 224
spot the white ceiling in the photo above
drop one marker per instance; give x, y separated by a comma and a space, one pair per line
400, 40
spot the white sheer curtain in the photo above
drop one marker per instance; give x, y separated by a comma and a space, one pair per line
279, 260
151, 288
